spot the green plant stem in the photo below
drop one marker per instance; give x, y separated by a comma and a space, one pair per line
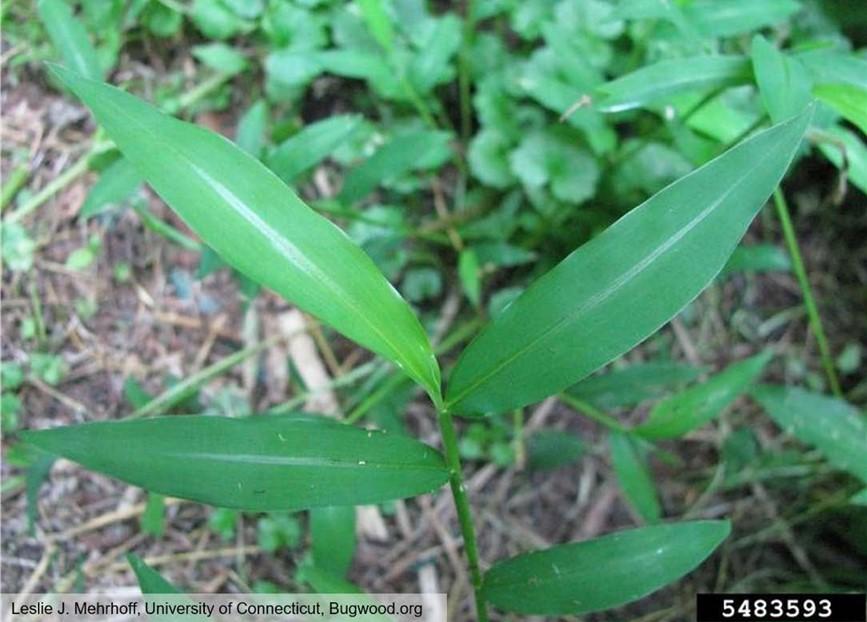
204, 88
520, 447
187, 387
374, 398
13, 184
38, 321
815, 321
165, 229
659, 129
591, 412
462, 505
58, 183
464, 70
419, 103
392, 383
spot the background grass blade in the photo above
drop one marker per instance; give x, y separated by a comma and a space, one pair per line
783, 82
261, 228
258, 463
697, 405
311, 145
620, 287
332, 530
654, 83
116, 184
604, 572
149, 580
720, 18
832, 425
632, 385
847, 99
70, 38
636, 481
392, 160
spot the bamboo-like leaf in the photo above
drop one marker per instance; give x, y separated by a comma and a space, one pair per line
758, 258
847, 99
468, 272
829, 66
378, 22
390, 161
634, 384
149, 580
152, 582
783, 82
258, 463
116, 184
724, 18
70, 38
667, 78
833, 426
604, 572
551, 449
250, 135
694, 407
634, 476
311, 145
332, 530
620, 287
260, 227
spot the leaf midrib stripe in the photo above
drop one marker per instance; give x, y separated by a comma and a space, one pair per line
300, 461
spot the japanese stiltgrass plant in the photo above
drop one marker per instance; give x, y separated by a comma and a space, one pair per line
521, 170
599, 302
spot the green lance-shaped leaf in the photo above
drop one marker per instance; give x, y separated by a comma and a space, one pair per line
311, 145
758, 258
378, 22
620, 287
332, 530
70, 38
551, 449
152, 583
829, 66
634, 384
260, 227
724, 18
258, 463
252, 126
847, 99
634, 476
833, 426
697, 405
601, 573
663, 80
153, 519
149, 580
428, 149
116, 184
783, 81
